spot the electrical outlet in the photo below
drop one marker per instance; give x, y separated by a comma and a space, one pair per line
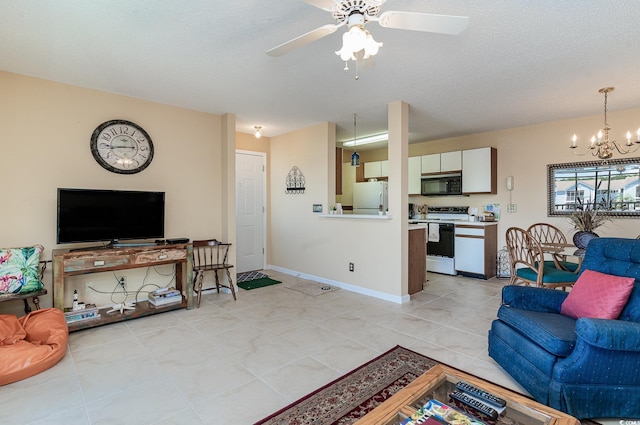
123, 282
351, 267
511, 208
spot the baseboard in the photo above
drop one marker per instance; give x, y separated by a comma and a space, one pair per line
346, 286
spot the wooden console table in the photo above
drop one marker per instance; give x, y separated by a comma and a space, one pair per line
71, 263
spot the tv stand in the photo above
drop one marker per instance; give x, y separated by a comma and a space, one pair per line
72, 263
117, 244
114, 244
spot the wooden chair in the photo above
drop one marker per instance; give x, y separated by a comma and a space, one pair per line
549, 234
211, 255
527, 263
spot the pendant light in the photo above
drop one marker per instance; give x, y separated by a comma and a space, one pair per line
355, 157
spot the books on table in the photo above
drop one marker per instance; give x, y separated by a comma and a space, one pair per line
91, 312
164, 296
435, 412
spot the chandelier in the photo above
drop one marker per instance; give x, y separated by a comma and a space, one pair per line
601, 146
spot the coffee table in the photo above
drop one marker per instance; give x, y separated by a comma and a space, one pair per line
440, 380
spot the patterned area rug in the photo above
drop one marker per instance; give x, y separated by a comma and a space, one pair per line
355, 394
311, 288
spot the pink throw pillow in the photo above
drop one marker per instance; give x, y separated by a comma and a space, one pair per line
598, 296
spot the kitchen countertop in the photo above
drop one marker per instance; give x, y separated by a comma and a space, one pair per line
422, 222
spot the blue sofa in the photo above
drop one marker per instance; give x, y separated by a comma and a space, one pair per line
588, 368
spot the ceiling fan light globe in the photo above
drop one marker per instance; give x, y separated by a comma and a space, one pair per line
355, 38
345, 54
371, 47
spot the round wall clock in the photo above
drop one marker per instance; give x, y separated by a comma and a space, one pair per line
121, 147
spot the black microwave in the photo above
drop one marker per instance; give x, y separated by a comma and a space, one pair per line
441, 184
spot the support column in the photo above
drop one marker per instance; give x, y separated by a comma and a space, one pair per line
398, 151
228, 196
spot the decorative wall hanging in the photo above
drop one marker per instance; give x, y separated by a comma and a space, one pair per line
295, 181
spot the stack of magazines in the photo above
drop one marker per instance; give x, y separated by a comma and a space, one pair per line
89, 313
437, 413
164, 296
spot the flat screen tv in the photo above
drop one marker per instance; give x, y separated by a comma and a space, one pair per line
89, 215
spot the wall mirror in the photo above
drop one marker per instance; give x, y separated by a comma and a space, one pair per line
613, 186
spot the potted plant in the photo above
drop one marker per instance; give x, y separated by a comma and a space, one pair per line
585, 219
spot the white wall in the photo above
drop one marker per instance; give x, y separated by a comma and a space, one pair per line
46, 128
303, 242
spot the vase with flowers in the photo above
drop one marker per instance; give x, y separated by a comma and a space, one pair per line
585, 219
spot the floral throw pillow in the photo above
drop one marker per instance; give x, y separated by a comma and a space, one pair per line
19, 270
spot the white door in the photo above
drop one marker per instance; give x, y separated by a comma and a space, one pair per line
250, 211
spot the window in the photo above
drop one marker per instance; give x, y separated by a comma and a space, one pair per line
571, 195
613, 187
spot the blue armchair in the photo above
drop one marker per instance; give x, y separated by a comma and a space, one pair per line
589, 368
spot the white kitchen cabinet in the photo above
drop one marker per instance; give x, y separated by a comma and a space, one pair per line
442, 162
415, 170
371, 169
374, 169
430, 163
451, 161
480, 171
476, 249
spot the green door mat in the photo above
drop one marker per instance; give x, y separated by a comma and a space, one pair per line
257, 283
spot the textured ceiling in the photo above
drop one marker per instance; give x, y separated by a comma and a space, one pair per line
519, 62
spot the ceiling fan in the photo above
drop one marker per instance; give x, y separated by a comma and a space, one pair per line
355, 14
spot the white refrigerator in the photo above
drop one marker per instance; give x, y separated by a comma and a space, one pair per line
368, 196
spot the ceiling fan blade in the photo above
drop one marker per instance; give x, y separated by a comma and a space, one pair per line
303, 40
321, 4
443, 24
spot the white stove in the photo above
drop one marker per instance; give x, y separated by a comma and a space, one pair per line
441, 237
448, 214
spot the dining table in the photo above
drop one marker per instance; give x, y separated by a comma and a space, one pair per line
560, 251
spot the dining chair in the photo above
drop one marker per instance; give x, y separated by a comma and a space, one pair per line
211, 255
527, 263
549, 234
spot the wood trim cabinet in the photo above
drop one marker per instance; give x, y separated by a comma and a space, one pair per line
70, 263
338, 171
417, 259
480, 171
476, 249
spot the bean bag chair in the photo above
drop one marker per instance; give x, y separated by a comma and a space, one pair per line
31, 344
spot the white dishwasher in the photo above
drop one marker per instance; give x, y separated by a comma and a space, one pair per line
470, 249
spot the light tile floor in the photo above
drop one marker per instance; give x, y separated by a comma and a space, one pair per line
237, 362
